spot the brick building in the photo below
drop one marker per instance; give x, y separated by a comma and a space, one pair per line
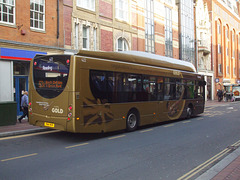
225, 41
29, 28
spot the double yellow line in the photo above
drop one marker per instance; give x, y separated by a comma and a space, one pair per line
201, 167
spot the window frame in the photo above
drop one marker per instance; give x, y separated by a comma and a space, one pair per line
13, 5
87, 37
87, 4
33, 20
168, 32
124, 10
149, 26
123, 46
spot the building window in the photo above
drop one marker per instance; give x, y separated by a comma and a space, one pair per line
87, 4
234, 71
219, 68
122, 9
7, 11
37, 14
85, 37
226, 51
168, 32
219, 28
187, 40
228, 70
219, 48
227, 33
149, 26
122, 44
76, 35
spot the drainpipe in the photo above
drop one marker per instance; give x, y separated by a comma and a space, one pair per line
57, 19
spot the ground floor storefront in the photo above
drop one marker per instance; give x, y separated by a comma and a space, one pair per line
14, 70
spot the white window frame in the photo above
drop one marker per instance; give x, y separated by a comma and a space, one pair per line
37, 15
86, 4
85, 37
10, 4
123, 46
121, 7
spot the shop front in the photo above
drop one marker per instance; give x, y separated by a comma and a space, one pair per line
15, 65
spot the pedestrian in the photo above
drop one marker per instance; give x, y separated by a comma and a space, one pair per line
220, 95
24, 106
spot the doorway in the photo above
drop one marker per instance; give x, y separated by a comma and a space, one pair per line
20, 85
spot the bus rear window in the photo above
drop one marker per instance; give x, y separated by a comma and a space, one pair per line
50, 74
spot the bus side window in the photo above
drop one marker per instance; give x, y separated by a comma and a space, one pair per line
98, 85
179, 89
199, 89
159, 88
190, 89
149, 88
110, 86
169, 89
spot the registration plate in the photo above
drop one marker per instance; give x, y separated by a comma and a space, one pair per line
47, 124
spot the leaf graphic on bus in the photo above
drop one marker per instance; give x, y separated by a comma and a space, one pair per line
96, 112
175, 108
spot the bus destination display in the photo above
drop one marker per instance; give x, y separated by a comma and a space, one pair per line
50, 84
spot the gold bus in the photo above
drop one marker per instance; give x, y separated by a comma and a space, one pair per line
92, 92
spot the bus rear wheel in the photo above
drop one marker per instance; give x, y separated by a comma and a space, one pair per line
132, 121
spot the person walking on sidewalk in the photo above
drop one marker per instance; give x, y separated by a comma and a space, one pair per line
24, 106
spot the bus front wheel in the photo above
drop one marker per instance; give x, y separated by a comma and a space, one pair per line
189, 112
132, 121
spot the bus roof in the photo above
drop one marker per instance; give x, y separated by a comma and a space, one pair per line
141, 58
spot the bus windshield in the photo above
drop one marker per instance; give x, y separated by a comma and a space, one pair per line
50, 74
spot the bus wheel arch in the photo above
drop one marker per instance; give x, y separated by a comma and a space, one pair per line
133, 119
189, 111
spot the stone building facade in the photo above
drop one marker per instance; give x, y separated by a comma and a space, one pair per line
203, 42
116, 25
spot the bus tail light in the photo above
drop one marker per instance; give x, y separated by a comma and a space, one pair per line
30, 108
70, 108
69, 113
68, 61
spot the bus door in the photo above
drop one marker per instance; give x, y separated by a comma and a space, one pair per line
173, 98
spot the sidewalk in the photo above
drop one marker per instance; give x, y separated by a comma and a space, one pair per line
228, 168
19, 129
